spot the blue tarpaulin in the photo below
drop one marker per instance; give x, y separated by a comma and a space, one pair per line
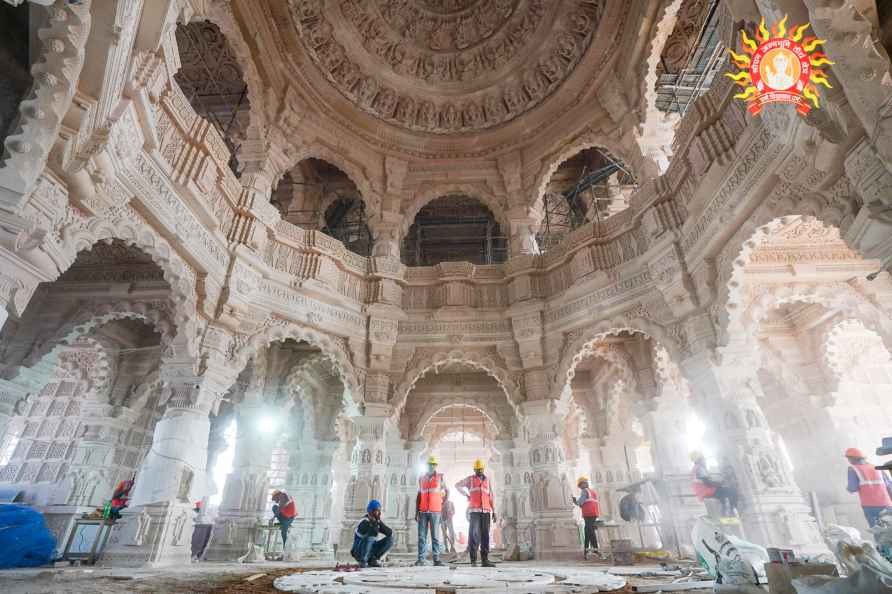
25, 541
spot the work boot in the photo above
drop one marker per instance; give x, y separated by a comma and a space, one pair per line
438, 563
363, 564
420, 563
473, 561
374, 563
485, 561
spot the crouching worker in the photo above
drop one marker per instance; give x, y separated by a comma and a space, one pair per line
367, 548
120, 499
284, 512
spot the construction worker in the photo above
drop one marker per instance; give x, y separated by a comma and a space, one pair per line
446, 523
284, 512
367, 548
872, 486
591, 509
705, 487
481, 510
428, 506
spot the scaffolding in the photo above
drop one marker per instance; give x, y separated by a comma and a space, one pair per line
591, 199
460, 231
186, 38
677, 91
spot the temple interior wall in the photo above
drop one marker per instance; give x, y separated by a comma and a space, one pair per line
158, 283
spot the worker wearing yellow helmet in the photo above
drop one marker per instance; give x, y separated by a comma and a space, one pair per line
428, 507
481, 511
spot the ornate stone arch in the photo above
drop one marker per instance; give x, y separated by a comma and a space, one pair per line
56, 75
134, 232
758, 229
305, 372
579, 343
478, 191
93, 315
220, 14
480, 361
356, 172
587, 139
278, 330
837, 296
434, 408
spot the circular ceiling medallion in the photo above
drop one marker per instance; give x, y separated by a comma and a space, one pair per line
446, 66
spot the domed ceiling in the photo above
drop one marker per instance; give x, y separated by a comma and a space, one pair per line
446, 66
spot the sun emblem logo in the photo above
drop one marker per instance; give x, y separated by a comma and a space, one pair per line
781, 68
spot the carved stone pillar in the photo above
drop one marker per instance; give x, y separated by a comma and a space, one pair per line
407, 463
311, 483
513, 496
773, 511
555, 533
245, 493
367, 469
157, 527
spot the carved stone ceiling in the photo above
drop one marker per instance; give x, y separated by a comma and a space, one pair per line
446, 66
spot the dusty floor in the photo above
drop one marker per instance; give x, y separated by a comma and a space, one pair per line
205, 578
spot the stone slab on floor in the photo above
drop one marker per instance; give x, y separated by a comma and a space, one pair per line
428, 580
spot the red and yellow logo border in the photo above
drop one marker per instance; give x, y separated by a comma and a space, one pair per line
757, 92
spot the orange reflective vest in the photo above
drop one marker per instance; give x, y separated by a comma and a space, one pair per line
480, 495
590, 507
431, 489
701, 489
871, 486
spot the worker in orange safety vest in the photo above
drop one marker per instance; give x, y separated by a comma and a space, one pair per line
480, 512
706, 487
872, 486
591, 509
428, 507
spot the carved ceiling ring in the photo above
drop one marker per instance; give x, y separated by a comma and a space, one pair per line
447, 67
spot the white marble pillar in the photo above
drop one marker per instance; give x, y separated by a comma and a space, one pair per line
245, 492
156, 529
367, 470
556, 535
311, 482
772, 508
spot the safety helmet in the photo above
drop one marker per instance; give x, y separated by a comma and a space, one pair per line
432, 460
581, 479
373, 505
478, 464
854, 453
275, 493
696, 455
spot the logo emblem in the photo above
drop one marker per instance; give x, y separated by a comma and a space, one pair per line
781, 68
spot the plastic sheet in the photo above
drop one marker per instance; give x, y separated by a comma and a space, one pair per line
25, 541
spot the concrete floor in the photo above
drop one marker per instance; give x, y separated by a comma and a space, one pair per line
231, 578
